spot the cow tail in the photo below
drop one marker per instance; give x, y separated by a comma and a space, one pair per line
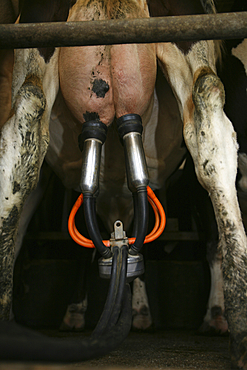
209, 6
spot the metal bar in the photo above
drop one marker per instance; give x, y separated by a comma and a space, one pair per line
48, 235
181, 235
166, 236
109, 32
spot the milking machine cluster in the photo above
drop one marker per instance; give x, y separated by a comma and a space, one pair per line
122, 251
120, 261
91, 140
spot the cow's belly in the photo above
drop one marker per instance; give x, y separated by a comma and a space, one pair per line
162, 139
103, 82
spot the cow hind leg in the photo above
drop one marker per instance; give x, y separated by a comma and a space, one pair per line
141, 316
74, 318
29, 208
212, 142
214, 322
19, 174
23, 144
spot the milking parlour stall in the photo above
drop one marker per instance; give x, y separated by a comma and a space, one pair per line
123, 164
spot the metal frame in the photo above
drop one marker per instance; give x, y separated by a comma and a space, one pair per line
109, 32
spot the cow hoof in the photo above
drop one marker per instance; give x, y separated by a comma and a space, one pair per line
215, 323
239, 352
141, 320
74, 319
214, 328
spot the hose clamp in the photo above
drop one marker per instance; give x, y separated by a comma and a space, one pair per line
135, 264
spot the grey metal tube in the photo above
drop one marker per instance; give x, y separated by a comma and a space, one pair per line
90, 140
90, 166
136, 166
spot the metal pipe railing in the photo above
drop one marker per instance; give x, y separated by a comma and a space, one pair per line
110, 32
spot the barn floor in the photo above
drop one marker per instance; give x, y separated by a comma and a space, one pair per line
170, 349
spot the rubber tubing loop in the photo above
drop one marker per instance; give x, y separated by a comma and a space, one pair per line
134, 231
18, 343
92, 226
160, 222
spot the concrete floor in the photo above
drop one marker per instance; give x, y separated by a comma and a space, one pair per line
171, 350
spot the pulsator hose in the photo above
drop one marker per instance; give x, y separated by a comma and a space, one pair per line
92, 225
141, 213
159, 226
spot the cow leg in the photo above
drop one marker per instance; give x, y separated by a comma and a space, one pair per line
214, 150
141, 316
31, 204
19, 164
214, 321
210, 137
74, 318
23, 144
29, 208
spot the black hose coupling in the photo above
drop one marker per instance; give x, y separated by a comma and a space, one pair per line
135, 263
130, 132
90, 140
92, 130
